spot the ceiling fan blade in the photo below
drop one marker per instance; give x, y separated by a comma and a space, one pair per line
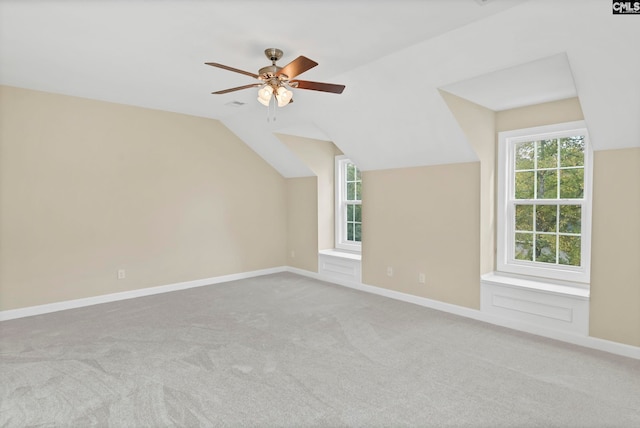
224, 91
297, 66
317, 86
226, 67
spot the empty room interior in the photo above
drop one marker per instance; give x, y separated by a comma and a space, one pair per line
320, 213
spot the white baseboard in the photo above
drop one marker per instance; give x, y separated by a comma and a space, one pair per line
586, 341
124, 295
410, 298
576, 339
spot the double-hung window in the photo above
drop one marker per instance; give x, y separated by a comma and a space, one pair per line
348, 205
544, 202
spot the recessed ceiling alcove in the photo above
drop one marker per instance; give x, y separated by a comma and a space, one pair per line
540, 81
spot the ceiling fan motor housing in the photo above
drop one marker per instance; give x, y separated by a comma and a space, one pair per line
269, 71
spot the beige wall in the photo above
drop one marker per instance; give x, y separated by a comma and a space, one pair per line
615, 253
427, 220
568, 110
89, 187
302, 223
319, 156
478, 125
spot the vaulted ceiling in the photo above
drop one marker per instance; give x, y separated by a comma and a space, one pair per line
393, 56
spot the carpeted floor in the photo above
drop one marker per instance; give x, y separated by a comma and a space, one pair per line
285, 350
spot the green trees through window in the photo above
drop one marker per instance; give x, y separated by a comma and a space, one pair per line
348, 197
548, 193
353, 219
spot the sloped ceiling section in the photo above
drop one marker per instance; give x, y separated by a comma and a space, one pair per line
539, 51
595, 64
394, 56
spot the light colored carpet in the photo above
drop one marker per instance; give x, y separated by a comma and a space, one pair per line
285, 350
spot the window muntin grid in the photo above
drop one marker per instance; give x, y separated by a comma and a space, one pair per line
546, 200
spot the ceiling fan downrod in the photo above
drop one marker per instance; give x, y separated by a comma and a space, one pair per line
270, 71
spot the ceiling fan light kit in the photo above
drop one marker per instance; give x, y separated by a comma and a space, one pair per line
284, 96
264, 95
276, 81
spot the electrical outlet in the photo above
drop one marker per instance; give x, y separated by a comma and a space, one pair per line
122, 274
422, 279
389, 271
293, 254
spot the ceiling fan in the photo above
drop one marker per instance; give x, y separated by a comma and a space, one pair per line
275, 81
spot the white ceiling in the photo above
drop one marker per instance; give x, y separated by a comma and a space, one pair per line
536, 82
393, 56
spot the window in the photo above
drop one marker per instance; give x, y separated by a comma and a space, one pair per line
544, 215
348, 205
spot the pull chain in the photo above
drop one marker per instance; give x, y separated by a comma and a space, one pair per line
273, 98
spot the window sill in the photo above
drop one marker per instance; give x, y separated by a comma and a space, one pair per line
341, 254
535, 284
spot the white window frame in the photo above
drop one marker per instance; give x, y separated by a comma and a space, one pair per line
341, 241
575, 275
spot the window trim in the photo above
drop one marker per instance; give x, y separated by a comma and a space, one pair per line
577, 276
341, 207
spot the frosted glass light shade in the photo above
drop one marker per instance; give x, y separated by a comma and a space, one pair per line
264, 94
283, 95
